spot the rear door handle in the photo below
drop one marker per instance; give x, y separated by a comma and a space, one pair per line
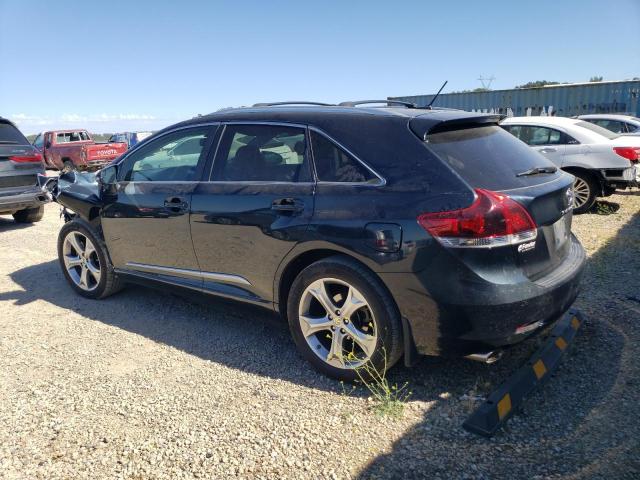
176, 204
287, 205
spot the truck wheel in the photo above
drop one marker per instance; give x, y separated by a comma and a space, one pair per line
29, 215
585, 189
85, 261
68, 166
343, 320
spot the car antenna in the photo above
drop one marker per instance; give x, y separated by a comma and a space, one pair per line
436, 95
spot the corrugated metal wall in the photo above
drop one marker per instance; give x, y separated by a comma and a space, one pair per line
565, 100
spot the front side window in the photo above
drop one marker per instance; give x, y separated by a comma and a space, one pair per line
262, 153
333, 164
170, 158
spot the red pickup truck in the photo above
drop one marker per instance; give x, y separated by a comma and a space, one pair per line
75, 150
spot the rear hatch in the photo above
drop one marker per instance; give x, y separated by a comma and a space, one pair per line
19, 162
486, 157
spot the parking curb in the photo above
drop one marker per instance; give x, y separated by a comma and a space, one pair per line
501, 404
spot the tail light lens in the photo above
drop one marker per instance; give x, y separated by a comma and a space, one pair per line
28, 158
630, 153
493, 220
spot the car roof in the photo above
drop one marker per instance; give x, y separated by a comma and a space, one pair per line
608, 116
558, 121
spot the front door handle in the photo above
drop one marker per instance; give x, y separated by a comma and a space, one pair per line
287, 205
176, 204
548, 150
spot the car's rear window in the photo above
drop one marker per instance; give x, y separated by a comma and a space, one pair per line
488, 157
11, 135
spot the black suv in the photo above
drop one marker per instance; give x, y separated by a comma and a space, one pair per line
20, 164
377, 232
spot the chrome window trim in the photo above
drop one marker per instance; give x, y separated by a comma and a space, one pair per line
187, 273
383, 181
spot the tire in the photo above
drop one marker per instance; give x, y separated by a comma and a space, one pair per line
78, 259
585, 190
29, 215
376, 323
68, 166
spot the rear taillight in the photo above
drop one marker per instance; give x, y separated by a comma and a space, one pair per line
493, 220
630, 153
30, 158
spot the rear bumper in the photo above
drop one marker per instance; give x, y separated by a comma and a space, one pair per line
479, 315
19, 199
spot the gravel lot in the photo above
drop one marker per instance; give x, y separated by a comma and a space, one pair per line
150, 385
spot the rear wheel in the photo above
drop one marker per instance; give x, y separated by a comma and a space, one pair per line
29, 215
343, 320
84, 261
585, 190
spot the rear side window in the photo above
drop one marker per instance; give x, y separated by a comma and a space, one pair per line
10, 135
536, 136
488, 157
598, 129
262, 153
333, 164
611, 125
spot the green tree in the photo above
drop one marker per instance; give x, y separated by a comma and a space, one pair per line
595, 79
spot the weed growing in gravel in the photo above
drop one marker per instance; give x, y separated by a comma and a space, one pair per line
389, 398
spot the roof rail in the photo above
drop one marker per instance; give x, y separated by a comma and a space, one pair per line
292, 102
388, 102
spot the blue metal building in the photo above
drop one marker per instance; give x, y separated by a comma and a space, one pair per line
563, 100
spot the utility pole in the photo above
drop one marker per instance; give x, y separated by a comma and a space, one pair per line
486, 82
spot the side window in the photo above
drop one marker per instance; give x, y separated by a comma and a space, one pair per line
543, 136
170, 158
612, 125
262, 153
630, 127
39, 141
335, 165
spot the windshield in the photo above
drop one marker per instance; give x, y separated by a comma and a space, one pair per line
598, 129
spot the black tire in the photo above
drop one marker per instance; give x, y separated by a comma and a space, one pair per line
68, 166
109, 282
586, 180
29, 215
388, 349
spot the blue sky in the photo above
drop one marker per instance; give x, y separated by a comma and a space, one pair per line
121, 65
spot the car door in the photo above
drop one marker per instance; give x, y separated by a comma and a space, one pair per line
146, 227
255, 208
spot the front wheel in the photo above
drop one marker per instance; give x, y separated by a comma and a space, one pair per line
343, 320
84, 261
584, 190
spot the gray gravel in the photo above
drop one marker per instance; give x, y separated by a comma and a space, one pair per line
149, 385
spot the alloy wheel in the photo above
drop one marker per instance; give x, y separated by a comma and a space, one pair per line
81, 261
581, 191
338, 323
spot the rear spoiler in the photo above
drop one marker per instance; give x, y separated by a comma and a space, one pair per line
442, 121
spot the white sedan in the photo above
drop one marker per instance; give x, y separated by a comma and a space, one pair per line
600, 160
620, 124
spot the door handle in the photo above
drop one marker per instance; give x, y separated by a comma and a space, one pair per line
176, 204
547, 150
288, 205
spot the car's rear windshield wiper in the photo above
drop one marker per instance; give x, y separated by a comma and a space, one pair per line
537, 171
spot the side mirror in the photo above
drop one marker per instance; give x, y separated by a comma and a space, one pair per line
108, 181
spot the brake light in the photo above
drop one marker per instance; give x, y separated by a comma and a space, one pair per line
493, 220
630, 153
30, 158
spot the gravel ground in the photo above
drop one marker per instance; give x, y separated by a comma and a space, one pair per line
150, 385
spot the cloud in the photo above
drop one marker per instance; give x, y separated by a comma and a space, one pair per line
98, 122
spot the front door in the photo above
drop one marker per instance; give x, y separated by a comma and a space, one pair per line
254, 210
147, 227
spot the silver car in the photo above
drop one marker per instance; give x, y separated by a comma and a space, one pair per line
620, 124
20, 164
600, 160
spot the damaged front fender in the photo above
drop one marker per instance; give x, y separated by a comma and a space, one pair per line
76, 191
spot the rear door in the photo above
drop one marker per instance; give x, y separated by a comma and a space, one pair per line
255, 208
146, 227
548, 141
